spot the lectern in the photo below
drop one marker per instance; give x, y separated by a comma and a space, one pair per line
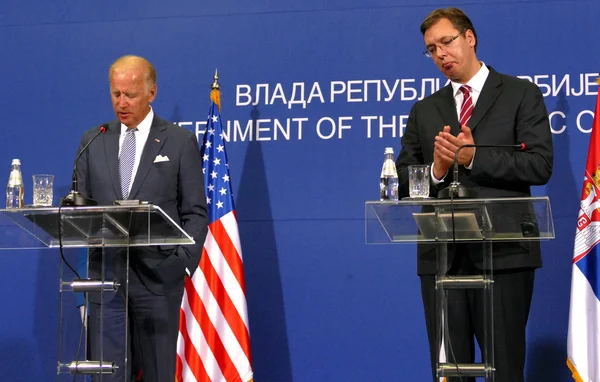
444, 223
109, 232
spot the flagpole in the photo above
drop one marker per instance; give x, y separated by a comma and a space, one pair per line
215, 93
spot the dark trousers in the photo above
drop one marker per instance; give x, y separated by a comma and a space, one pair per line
512, 292
151, 331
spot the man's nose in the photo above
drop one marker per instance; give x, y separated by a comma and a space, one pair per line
121, 101
439, 51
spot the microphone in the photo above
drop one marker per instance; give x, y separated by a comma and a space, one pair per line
74, 198
457, 190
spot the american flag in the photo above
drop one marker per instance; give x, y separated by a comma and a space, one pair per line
214, 338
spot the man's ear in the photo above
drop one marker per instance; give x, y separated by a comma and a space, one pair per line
471, 39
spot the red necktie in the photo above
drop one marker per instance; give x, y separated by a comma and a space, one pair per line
467, 106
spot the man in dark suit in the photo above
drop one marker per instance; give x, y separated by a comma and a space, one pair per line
143, 157
491, 109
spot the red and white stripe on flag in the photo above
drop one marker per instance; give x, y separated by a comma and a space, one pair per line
214, 336
214, 340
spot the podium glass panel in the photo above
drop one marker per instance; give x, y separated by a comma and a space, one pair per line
414, 220
96, 351
83, 227
446, 226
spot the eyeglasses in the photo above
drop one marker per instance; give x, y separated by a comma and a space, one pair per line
443, 45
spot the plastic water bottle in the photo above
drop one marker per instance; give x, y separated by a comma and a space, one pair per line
14, 189
388, 185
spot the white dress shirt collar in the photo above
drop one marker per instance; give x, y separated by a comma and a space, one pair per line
476, 83
144, 126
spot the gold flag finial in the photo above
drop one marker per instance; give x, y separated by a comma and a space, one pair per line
215, 94
215, 84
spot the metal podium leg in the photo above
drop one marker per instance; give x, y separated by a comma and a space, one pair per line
108, 359
444, 283
488, 313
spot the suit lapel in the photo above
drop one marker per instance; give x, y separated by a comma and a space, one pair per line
111, 150
491, 90
156, 139
447, 108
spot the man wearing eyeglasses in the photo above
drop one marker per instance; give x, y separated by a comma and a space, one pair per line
479, 106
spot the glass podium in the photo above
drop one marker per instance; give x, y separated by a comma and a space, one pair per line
443, 225
110, 235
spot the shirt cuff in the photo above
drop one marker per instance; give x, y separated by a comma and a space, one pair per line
435, 180
470, 166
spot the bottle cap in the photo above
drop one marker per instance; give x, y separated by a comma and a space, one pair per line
16, 162
389, 150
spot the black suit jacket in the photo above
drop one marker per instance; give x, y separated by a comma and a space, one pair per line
176, 185
509, 110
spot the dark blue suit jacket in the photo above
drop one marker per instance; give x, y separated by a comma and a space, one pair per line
176, 185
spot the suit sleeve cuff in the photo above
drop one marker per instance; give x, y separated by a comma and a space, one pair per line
435, 180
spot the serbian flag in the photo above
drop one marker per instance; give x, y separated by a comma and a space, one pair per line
214, 338
584, 315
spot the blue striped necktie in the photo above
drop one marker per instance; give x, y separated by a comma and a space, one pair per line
126, 161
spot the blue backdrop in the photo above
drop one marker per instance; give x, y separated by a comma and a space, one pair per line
323, 306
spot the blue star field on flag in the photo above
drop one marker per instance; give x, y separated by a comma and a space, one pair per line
219, 198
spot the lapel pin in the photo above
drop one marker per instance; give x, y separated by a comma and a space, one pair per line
157, 140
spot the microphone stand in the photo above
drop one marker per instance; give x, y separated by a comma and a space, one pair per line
74, 198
